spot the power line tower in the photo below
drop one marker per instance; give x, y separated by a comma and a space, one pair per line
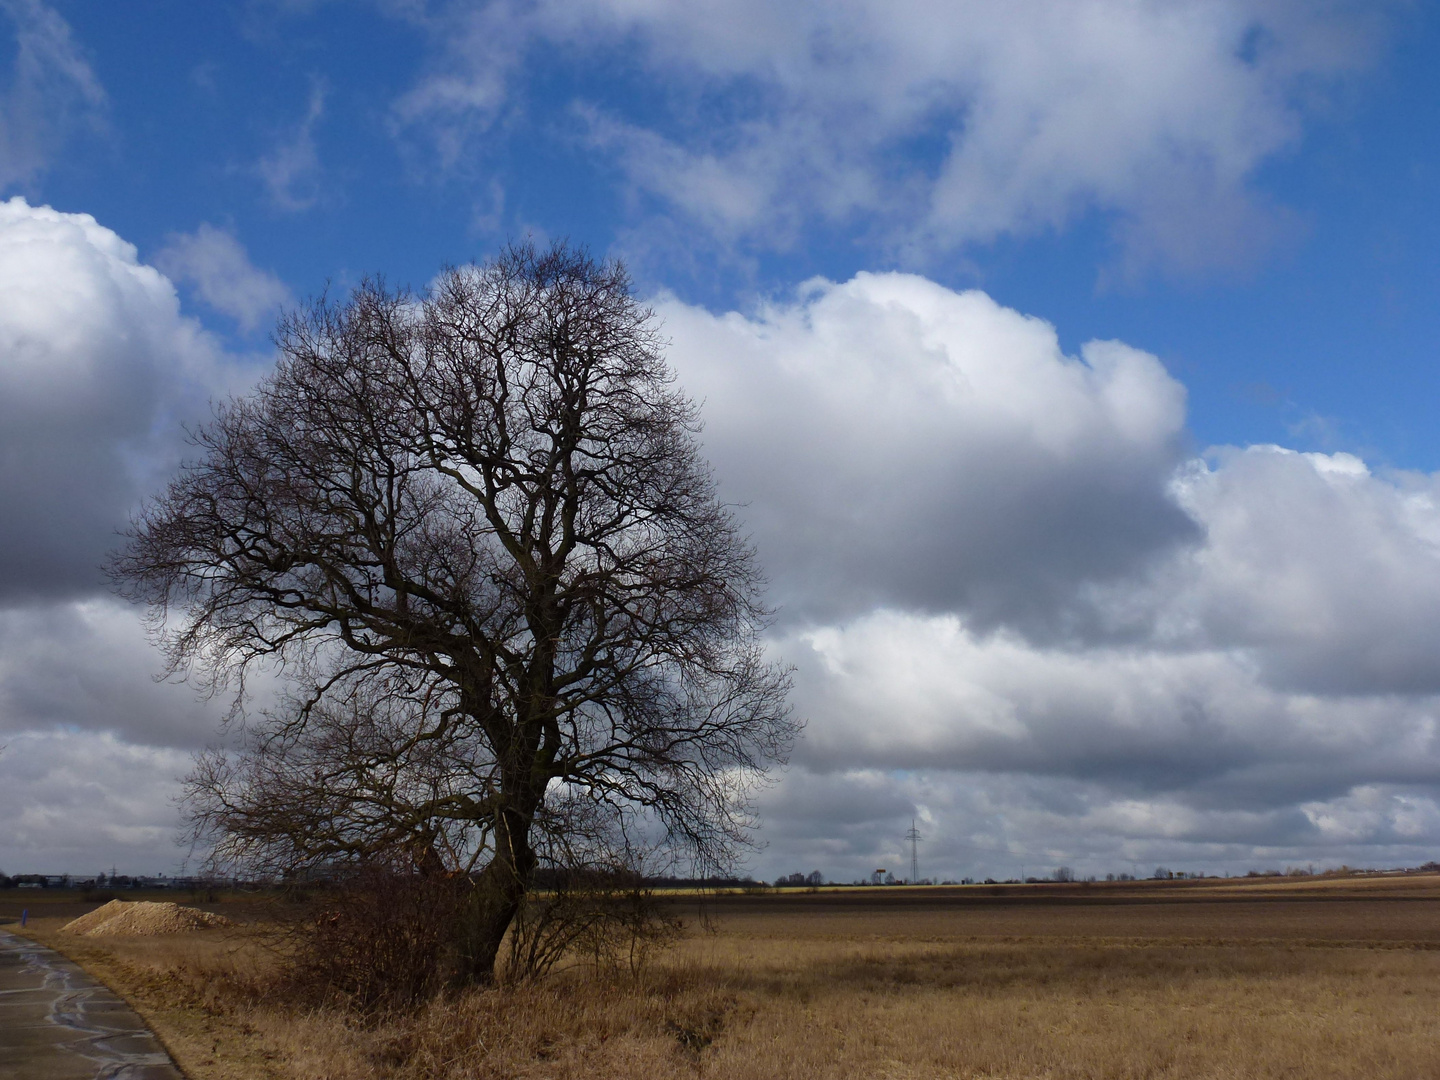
914, 837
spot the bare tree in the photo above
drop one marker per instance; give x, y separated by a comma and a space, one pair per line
475, 527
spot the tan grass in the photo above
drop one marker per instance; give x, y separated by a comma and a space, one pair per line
777, 989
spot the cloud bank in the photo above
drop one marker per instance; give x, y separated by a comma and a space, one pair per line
98, 369
1021, 608
1003, 573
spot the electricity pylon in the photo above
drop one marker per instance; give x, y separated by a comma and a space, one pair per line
914, 837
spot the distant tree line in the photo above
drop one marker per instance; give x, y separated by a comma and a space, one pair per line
115, 881
800, 878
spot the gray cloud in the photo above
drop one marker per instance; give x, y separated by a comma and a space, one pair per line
99, 366
80, 802
1328, 574
88, 666
979, 825
998, 561
903, 692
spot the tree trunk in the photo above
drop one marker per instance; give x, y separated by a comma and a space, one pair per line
492, 904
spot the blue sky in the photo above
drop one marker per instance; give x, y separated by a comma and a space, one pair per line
1162, 586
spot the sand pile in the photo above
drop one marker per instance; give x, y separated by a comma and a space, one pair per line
85, 923
144, 918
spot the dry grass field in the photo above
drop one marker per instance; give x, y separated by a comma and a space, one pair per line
1303, 978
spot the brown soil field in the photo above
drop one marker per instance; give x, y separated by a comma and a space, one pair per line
1317, 977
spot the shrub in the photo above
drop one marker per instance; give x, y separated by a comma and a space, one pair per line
610, 918
379, 939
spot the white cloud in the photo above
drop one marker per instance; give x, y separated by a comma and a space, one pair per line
898, 443
291, 171
98, 368
900, 691
942, 123
52, 90
216, 264
1329, 574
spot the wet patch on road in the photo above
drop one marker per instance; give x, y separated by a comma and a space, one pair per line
58, 1023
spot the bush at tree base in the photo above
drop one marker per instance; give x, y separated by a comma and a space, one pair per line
380, 940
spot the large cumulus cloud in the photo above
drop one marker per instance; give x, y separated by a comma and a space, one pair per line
897, 443
99, 366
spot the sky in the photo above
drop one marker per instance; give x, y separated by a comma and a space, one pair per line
1071, 366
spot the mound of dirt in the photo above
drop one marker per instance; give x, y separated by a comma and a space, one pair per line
85, 923
145, 918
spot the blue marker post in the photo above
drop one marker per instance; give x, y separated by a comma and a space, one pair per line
24, 914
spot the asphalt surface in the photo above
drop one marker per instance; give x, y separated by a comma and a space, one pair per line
57, 1023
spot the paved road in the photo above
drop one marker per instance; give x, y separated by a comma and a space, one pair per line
57, 1023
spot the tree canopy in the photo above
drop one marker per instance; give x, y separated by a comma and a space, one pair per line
475, 528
